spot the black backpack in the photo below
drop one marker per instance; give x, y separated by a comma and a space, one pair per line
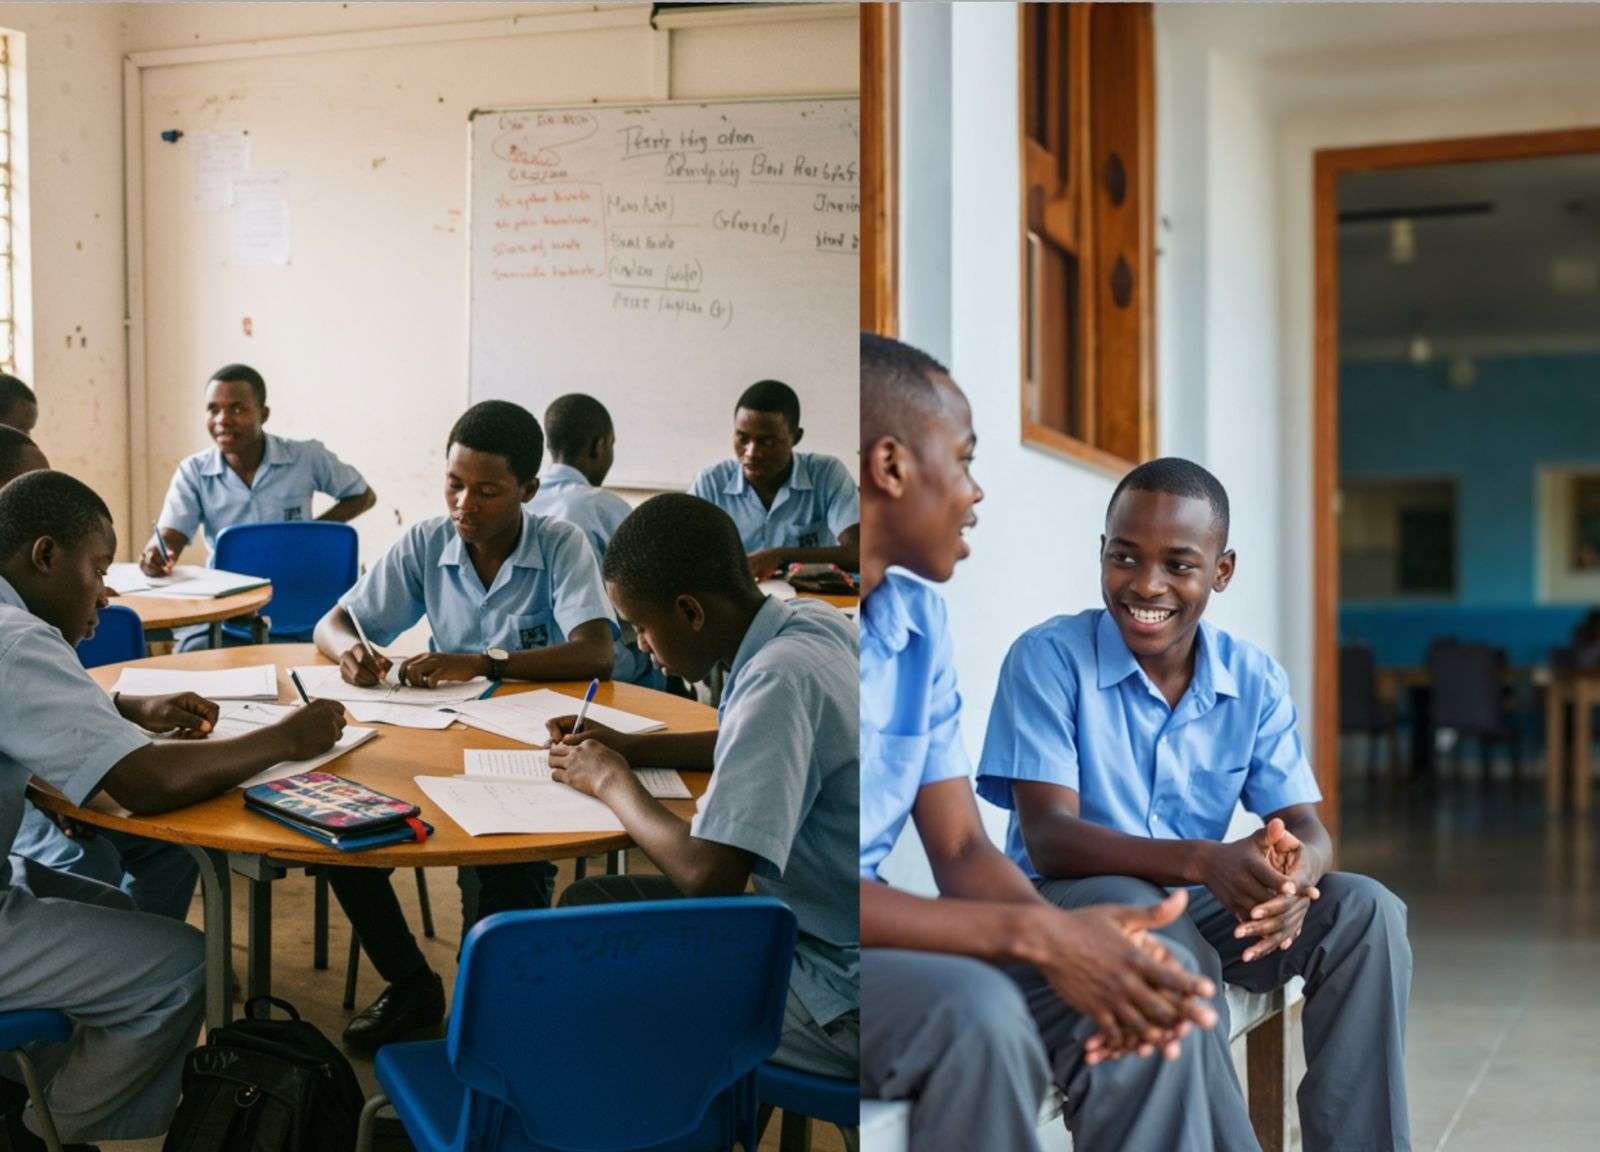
264, 1085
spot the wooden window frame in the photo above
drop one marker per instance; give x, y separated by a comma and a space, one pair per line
880, 177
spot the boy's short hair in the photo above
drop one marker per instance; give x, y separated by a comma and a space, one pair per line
675, 545
900, 390
242, 374
12, 442
51, 504
14, 392
572, 423
504, 429
1176, 476
772, 396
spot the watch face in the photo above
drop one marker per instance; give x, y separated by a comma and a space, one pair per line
498, 654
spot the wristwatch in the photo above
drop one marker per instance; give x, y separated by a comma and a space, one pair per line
497, 662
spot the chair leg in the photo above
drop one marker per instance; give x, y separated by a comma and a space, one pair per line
580, 868
41, 1110
795, 1135
350, 971
319, 922
763, 1118
1372, 754
852, 1138
369, 1116
422, 899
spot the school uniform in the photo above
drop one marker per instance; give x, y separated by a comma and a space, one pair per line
131, 982
785, 788
975, 1045
1074, 708
206, 496
548, 586
817, 502
565, 493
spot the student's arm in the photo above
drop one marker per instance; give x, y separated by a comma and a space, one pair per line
150, 562
185, 713
177, 523
586, 655
350, 507
693, 751
696, 867
335, 637
339, 480
164, 776
846, 554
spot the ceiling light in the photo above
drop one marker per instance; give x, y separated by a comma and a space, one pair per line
1402, 241
1574, 275
1419, 350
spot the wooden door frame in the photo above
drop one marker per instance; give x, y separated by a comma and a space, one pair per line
1330, 164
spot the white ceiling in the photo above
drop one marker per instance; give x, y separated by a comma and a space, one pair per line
1477, 283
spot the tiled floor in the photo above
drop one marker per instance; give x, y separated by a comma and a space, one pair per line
1504, 1035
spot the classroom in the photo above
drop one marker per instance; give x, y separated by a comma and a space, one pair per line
456, 815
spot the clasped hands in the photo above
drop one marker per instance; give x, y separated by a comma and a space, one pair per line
1268, 880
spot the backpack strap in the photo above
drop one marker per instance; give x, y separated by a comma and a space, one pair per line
266, 1004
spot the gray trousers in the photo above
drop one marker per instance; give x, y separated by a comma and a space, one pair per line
1356, 961
975, 1047
132, 984
826, 1049
159, 877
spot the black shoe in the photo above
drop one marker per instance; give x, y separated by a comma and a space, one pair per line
403, 1010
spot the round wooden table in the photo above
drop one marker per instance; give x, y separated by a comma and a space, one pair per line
224, 836
161, 612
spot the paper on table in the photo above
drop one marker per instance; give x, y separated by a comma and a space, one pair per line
532, 766
400, 715
324, 680
203, 584
489, 807
524, 715
782, 589
254, 682
126, 579
241, 719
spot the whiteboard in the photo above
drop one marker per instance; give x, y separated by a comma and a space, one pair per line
664, 257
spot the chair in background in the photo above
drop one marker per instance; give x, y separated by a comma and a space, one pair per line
805, 1096
35, 1026
1360, 710
311, 563
1470, 696
119, 636
607, 1027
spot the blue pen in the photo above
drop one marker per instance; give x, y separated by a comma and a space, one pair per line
594, 686
166, 557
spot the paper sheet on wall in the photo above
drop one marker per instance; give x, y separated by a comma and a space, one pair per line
491, 807
532, 766
261, 219
220, 158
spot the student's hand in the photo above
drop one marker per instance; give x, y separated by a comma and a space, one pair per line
69, 827
767, 562
185, 714
432, 669
311, 730
363, 668
1241, 875
560, 730
590, 767
151, 564
1279, 921
1104, 962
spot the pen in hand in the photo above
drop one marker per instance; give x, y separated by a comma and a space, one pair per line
299, 687
583, 710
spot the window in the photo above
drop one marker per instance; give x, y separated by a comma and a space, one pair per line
1397, 539
1087, 250
8, 296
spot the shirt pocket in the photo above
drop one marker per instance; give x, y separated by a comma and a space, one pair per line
1214, 791
891, 774
534, 630
294, 512
812, 535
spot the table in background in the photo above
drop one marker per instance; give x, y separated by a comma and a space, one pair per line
223, 836
164, 612
1581, 689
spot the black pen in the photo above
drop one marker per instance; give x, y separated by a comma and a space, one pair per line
299, 687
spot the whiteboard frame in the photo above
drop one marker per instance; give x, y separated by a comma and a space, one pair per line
472, 116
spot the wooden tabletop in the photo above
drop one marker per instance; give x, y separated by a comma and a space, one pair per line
178, 611
388, 762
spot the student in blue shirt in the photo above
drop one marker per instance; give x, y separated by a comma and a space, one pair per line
582, 444
791, 507
781, 808
19, 407
508, 595
130, 982
250, 477
1121, 740
978, 997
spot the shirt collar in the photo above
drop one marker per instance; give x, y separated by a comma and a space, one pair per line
774, 614
565, 474
527, 553
1116, 662
799, 477
886, 618
274, 453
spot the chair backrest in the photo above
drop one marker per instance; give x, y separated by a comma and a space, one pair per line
119, 636
310, 563
1468, 694
618, 1026
1358, 689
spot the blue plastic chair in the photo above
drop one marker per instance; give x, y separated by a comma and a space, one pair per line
311, 564
804, 1096
607, 1028
118, 637
35, 1026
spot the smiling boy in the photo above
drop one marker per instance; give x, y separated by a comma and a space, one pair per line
1121, 740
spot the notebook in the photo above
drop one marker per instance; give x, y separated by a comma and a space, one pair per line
339, 812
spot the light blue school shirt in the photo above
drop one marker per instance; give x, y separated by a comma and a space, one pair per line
910, 709
785, 786
55, 722
1074, 708
816, 503
206, 493
549, 585
565, 493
